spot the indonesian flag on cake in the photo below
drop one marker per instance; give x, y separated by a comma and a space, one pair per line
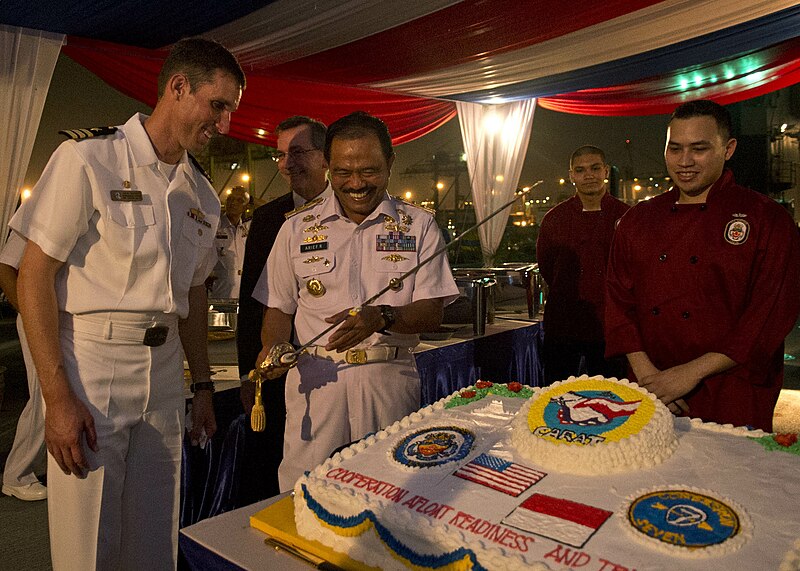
568, 522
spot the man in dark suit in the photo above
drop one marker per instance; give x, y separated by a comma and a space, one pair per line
302, 165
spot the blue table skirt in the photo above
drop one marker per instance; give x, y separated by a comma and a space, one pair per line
511, 355
213, 479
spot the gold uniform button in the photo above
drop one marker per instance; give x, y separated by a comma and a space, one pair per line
315, 287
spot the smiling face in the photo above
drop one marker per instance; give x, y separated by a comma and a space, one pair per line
589, 174
359, 174
695, 155
302, 166
205, 111
236, 203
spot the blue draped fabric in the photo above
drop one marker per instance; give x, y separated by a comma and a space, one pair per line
198, 558
210, 475
507, 356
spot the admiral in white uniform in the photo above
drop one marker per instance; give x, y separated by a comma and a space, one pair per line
230, 243
120, 231
331, 256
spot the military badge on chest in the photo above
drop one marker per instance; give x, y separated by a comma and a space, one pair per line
315, 241
737, 230
396, 240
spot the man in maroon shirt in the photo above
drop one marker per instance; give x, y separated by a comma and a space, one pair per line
572, 251
704, 282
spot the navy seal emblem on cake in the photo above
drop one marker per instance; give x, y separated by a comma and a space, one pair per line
684, 518
434, 446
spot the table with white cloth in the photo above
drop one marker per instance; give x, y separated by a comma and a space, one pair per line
227, 542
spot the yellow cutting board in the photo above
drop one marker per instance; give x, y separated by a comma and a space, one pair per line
277, 520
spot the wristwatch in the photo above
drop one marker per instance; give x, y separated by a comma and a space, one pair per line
387, 312
203, 386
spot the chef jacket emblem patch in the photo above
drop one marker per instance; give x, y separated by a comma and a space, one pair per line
737, 231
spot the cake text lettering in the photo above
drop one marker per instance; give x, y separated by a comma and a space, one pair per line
609, 566
569, 557
670, 537
492, 531
567, 435
424, 506
376, 487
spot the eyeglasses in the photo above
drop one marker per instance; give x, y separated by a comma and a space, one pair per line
294, 153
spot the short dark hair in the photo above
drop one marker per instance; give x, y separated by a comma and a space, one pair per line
706, 108
199, 59
318, 128
355, 126
586, 150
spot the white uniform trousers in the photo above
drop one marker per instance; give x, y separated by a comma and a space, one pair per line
28, 454
124, 514
331, 404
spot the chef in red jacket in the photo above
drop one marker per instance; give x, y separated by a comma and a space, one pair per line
704, 282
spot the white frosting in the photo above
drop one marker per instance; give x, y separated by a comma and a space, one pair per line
791, 562
434, 512
649, 447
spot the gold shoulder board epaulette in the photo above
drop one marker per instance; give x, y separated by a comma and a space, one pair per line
199, 167
430, 211
306, 206
80, 134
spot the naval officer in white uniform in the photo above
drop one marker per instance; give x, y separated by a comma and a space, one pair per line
120, 231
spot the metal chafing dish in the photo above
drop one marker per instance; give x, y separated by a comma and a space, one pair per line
222, 314
517, 287
222, 318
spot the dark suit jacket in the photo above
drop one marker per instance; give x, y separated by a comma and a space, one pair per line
267, 220
263, 450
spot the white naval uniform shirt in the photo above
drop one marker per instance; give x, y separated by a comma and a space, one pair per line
12, 252
131, 240
353, 262
229, 243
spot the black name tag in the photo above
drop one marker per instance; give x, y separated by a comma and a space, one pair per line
126, 195
313, 247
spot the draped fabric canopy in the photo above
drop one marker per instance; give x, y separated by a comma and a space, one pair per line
326, 57
408, 62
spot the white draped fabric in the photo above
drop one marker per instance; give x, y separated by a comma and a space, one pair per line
495, 141
27, 60
288, 30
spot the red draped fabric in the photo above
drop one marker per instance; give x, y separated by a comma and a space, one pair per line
467, 31
729, 81
267, 100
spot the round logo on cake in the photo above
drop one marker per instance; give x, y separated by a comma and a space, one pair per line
684, 518
434, 446
589, 412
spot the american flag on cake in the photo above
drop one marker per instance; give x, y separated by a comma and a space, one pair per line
501, 475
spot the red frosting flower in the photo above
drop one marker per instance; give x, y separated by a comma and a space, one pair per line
514, 386
785, 439
483, 385
468, 394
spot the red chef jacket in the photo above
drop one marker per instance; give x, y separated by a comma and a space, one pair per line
724, 277
572, 253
